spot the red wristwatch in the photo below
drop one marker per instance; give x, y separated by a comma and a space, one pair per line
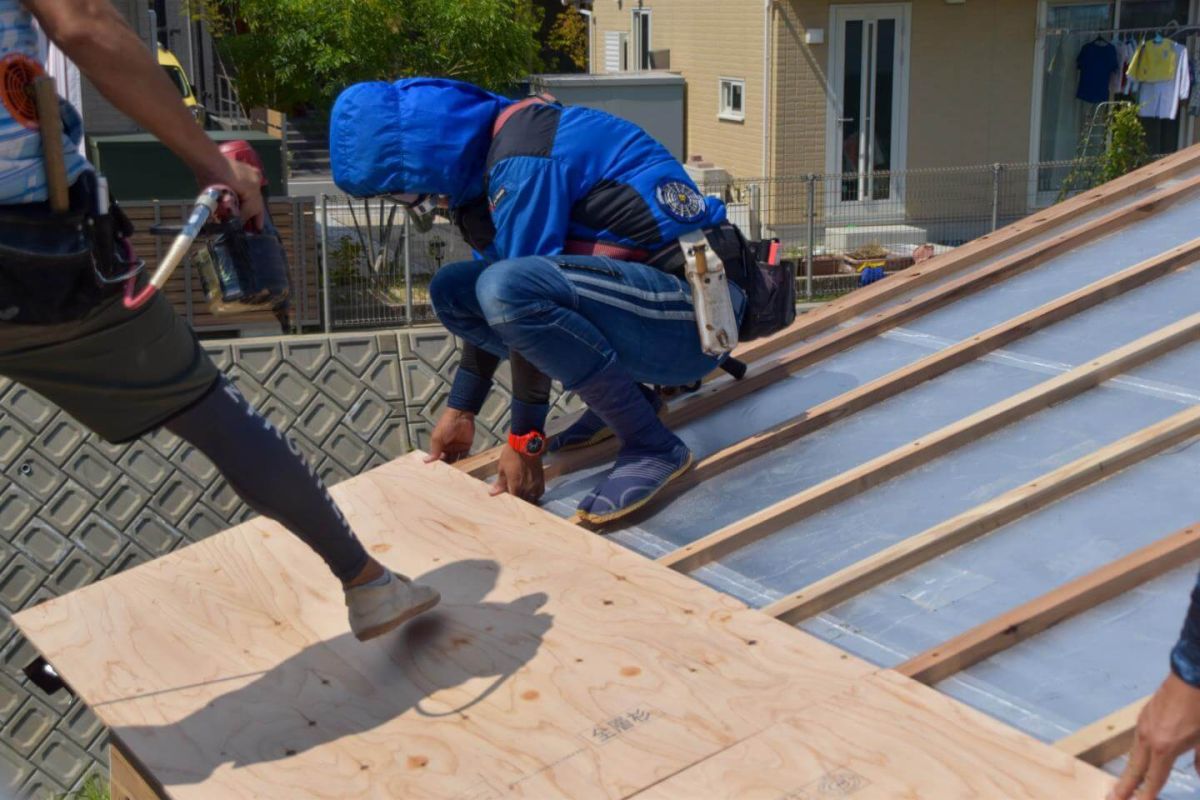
528, 444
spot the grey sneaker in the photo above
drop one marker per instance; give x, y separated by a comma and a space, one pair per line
375, 610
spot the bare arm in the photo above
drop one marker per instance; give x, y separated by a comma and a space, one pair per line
96, 37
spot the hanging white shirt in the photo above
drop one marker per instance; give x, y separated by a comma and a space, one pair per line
1160, 99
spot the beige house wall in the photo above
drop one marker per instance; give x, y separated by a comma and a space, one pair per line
708, 40
970, 83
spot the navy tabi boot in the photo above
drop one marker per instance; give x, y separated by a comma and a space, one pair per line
650, 456
590, 430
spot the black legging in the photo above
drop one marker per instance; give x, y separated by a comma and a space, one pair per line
270, 474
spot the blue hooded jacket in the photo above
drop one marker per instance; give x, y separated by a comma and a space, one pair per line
556, 179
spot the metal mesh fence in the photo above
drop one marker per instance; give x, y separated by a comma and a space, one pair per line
831, 225
378, 266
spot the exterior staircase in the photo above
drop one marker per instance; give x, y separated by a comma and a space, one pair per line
308, 145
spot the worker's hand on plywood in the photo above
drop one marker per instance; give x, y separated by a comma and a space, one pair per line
519, 475
1167, 728
452, 436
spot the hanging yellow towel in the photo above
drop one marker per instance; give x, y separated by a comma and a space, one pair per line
1154, 62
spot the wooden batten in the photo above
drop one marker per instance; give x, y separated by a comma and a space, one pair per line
938, 443
1046, 611
721, 393
1010, 506
939, 363
1105, 739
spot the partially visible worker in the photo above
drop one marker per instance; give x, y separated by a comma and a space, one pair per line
65, 333
1169, 725
584, 225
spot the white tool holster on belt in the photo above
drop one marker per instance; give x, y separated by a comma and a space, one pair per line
705, 272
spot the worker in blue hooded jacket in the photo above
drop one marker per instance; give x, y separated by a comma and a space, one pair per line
576, 216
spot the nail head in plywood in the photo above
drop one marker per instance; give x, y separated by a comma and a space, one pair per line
1105, 739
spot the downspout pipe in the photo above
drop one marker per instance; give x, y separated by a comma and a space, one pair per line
587, 15
768, 19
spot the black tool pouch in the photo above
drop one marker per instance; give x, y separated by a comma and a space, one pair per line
770, 290
47, 271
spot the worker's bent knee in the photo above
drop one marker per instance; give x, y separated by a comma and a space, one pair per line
452, 290
515, 288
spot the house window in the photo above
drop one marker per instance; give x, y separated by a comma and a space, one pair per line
641, 38
733, 99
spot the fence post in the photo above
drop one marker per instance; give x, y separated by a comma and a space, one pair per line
996, 170
408, 293
326, 298
812, 237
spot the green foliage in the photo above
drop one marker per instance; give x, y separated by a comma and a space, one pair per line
1127, 149
94, 788
293, 52
569, 37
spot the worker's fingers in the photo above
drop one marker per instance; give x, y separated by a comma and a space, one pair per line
1135, 770
435, 452
1157, 775
500, 486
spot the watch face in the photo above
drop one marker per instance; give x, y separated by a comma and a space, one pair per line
535, 445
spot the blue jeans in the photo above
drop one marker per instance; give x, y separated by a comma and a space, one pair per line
572, 315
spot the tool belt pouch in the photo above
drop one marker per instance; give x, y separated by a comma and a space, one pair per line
47, 268
243, 271
716, 322
770, 290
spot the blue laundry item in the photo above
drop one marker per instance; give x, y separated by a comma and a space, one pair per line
871, 274
590, 429
1097, 61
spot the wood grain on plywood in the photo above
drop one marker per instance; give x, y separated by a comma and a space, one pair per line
559, 665
761, 374
938, 443
986, 517
1105, 739
885, 738
1042, 613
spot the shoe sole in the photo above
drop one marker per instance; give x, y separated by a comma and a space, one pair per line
379, 630
601, 519
602, 435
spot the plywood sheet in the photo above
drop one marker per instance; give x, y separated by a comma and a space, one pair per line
886, 738
559, 666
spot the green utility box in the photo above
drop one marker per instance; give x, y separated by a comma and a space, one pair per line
139, 167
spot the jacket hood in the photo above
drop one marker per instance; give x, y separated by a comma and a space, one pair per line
418, 135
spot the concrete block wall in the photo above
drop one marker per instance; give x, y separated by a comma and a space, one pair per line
74, 509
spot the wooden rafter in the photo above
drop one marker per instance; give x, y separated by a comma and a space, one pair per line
889, 465
723, 392
939, 363
971, 524
1041, 613
1105, 739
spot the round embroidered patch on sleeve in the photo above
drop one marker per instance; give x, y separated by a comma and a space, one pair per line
680, 201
